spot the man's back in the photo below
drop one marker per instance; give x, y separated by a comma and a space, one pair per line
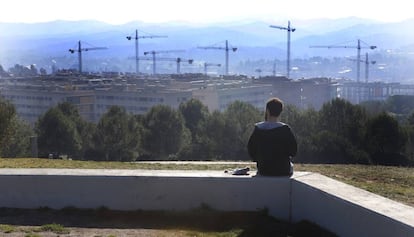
271, 145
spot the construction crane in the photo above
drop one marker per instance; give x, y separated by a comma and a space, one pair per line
177, 60
274, 67
288, 29
79, 50
358, 47
367, 62
160, 52
137, 46
227, 49
209, 65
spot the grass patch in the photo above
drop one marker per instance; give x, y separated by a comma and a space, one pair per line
32, 235
230, 233
77, 164
396, 183
55, 228
7, 228
199, 222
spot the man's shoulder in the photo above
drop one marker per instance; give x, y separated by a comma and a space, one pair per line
264, 125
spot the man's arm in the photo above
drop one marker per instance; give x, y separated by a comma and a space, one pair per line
252, 145
292, 143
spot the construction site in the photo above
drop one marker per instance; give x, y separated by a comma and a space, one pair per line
211, 82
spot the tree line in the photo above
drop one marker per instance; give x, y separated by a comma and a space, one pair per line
340, 132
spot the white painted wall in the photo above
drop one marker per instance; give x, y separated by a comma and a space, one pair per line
167, 191
338, 207
349, 211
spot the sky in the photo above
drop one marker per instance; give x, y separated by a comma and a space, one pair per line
206, 11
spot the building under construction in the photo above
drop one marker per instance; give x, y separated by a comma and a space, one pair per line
95, 94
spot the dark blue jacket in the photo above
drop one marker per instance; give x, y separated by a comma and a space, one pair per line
272, 145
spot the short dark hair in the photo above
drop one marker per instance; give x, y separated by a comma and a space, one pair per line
275, 106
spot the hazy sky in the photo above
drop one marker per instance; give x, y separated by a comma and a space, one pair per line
206, 11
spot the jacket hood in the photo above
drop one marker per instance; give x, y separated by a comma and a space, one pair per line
265, 125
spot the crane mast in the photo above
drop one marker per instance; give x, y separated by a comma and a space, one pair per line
79, 50
210, 64
274, 67
226, 49
137, 37
288, 29
358, 47
367, 62
153, 53
177, 60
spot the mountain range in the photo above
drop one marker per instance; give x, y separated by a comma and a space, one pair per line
41, 43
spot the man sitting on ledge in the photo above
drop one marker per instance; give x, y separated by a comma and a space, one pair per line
272, 143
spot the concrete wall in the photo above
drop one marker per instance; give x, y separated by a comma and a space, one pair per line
144, 190
338, 207
349, 211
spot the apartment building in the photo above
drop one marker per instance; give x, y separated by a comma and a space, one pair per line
32, 97
219, 94
358, 92
304, 93
92, 97
32, 101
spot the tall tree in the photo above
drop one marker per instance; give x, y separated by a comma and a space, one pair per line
85, 129
195, 115
58, 133
240, 118
410, 144
165, 133
373, 108
214, 141
18, 143
117, 136
386, 140
304, 124
400, 104
335, 134
7, 115
345, 119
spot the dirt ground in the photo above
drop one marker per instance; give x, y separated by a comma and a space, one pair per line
92, 232
105, 223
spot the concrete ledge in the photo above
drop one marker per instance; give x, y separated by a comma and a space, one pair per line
338, 207
143, 190
347, 210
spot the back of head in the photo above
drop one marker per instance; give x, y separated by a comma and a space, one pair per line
274, 106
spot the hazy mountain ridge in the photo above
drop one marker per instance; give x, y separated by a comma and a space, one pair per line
39, 42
